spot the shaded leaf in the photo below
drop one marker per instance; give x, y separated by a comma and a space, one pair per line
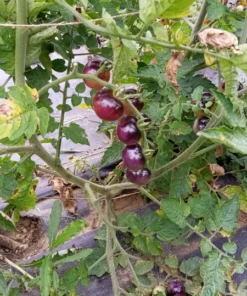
44, 118
113, 153
230, 247
77, 256
172, 261
7, 185
6, 223
142, 267
205, 246
46, 276
191, 266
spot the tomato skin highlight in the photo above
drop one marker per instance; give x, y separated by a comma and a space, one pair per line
133, 158
200, 123
135, 101
106, 106
176, 288
141, 177
127, 130
91, 68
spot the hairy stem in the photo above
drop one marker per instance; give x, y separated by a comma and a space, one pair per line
12, 264
16, 149
199, 20
21, 42
109, 252
72, 76
61, 123
244, 31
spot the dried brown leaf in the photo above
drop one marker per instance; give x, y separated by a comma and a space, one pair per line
218, 38
216, 169
219, 151
172, 67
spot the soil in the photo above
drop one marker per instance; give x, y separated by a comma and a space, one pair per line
29, 239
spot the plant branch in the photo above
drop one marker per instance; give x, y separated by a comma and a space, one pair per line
16, 149
150, 196
71, 76
65, 93
105, 32
21, 42
109, 252
12, 264
244, 30
199, 20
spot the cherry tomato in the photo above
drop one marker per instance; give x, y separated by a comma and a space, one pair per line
127, 130
106, 106
176, 288
91, 68
200, 123
135, 101
140, 177
133, 158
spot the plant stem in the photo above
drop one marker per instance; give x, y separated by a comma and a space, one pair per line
61, 123
146, 193
12, 264
199, 20
71, 76
21, 42
244, 31
109, 252
6, 81
203, 151
105, 32
16, 149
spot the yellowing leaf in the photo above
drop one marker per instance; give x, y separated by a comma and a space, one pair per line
151, 9
210, 61
84, 106
10, 120
230, 191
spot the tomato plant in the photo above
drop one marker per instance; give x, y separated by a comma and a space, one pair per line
177, 134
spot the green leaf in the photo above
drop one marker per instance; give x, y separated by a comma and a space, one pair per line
244, 254
83, 272
151, 9
232, 112
216, 10
124, 52
181, 184
3, 285
76, 134
80, 88
6, 223
112, 153
77, 256
240, 60
35, 7
69, 280
169, 232
76, 100
230, 74
172, 261
142, 267
55, 280
205, 246
180, 128
191, 267
176, 210
46, 276
160, 31
54, 222
212, 273
197, 93
7, 185
37, 77
227, 215
233, 138
102, 267
155, 112
148, 245
230, 247
58, 65
44, 118
70, 231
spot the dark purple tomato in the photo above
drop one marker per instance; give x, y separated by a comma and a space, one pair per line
176, 287
179, 294
140, 177
133, 158
206, 97
135, 101
106, 106
91, 68
200, 123
127, 130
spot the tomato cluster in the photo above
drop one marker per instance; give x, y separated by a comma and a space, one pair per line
109, 108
